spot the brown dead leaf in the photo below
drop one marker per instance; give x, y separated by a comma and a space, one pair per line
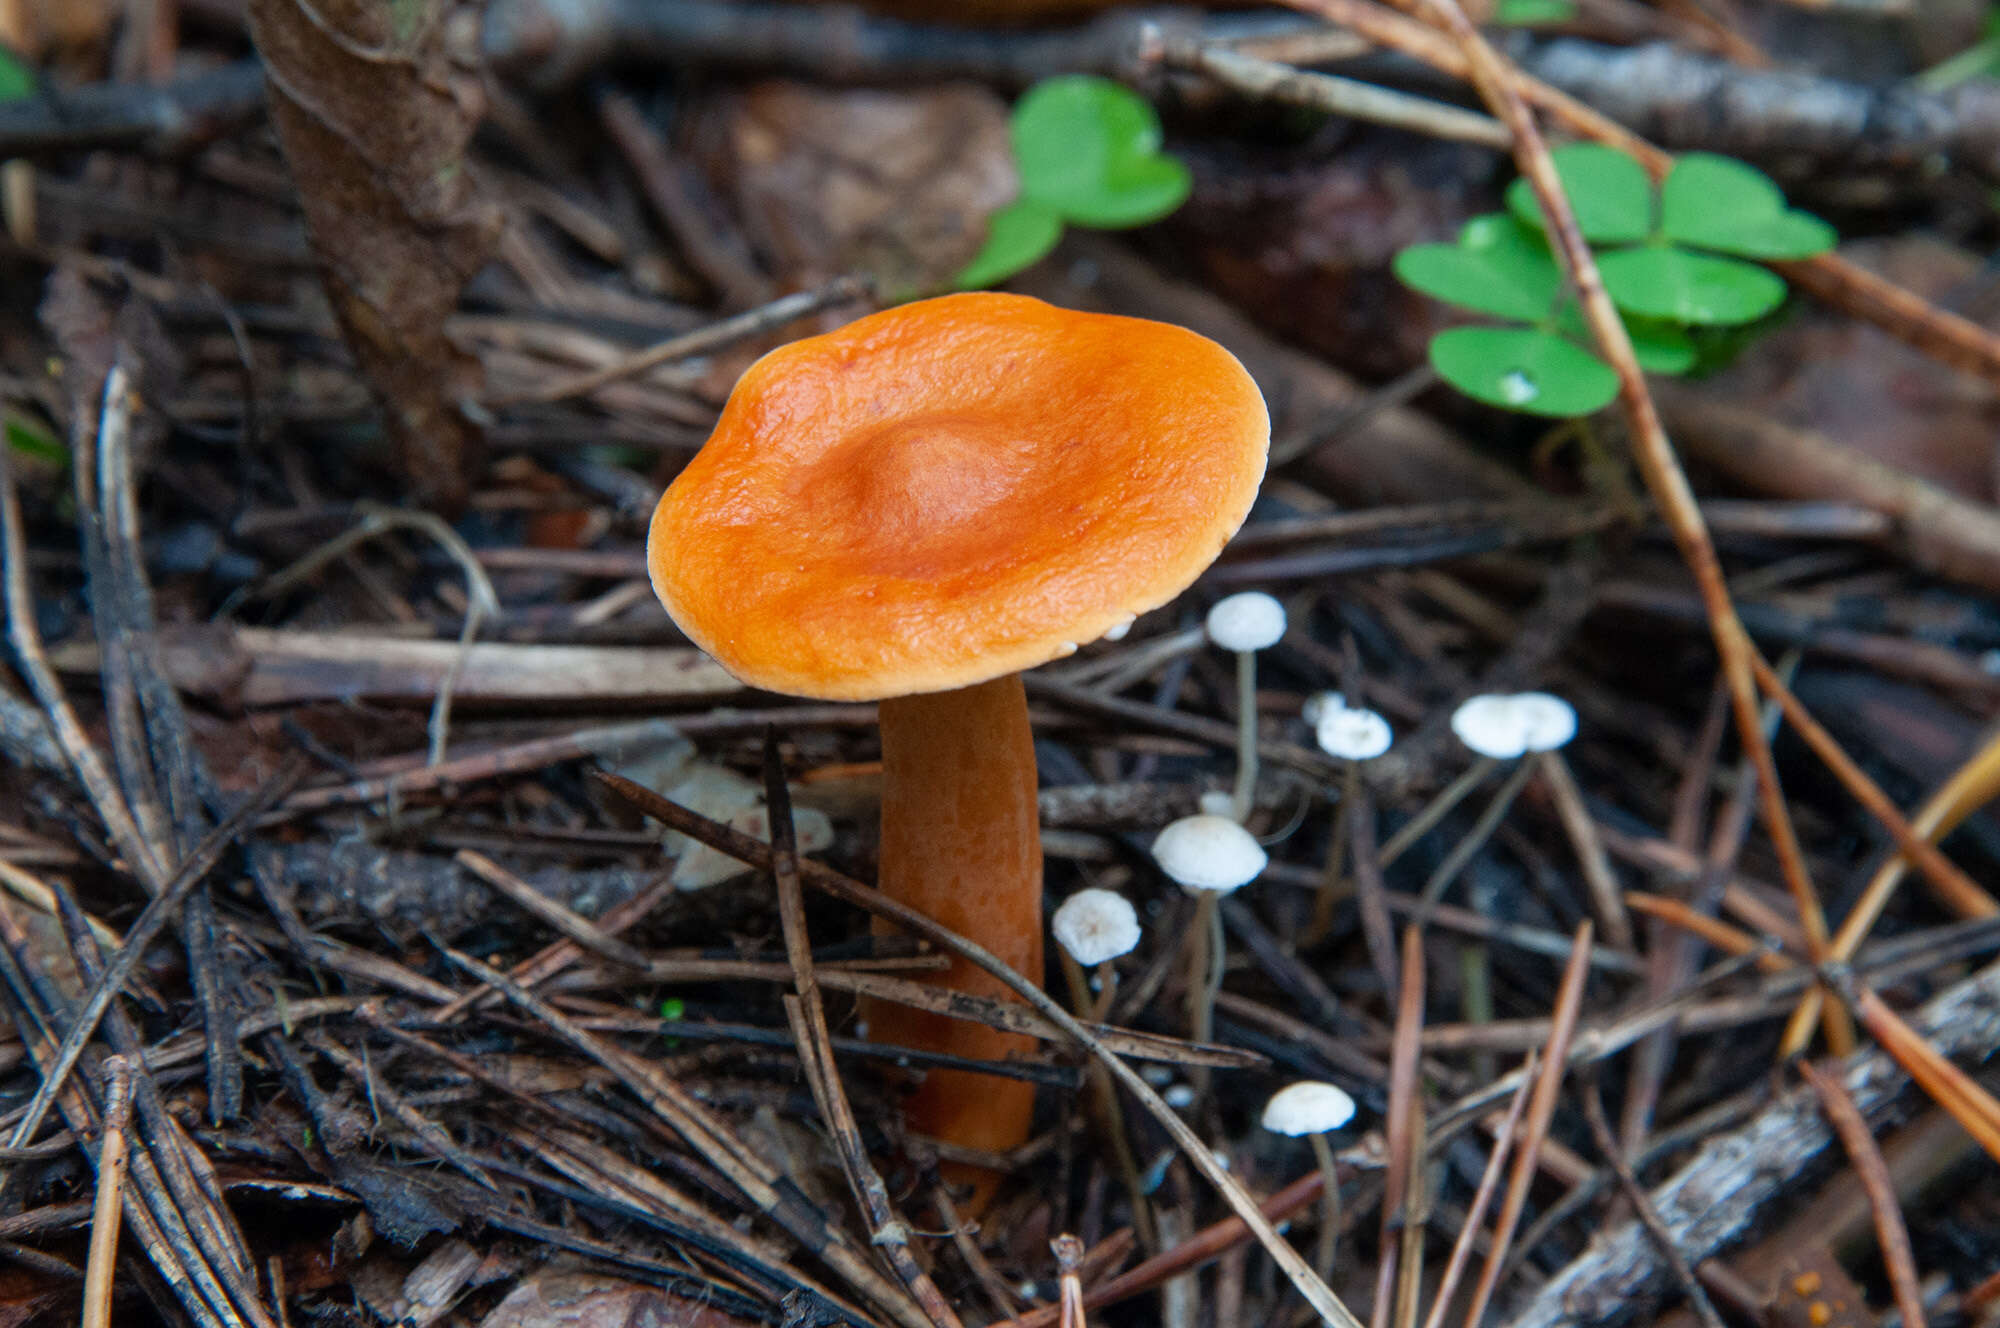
895, 184
556, 1298
374, 118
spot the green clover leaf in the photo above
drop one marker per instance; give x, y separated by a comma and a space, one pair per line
1720, 203
1523, 13
1518, 368
1090, 149
1088, 153
1498, 267
1662, 348
1608, 191
1660, 281
17, 78
1017, 237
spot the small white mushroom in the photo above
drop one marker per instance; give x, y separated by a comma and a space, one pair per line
1488, 725
1248, 621
1319, 703
1209, 854
1215, 802
1309, 1107
1506, 726
1096, 926
1547, 722
1352, 734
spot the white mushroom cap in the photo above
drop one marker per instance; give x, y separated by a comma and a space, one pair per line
1547, 722
1355, 734
1249, 621
1209, 852
1096, 926
1504, 727
1319, 703
1310, 1107
1216, 802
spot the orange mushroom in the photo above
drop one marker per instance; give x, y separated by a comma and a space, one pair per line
916, 507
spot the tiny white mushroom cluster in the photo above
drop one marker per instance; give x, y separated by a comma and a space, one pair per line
1096, 926
1504, 727
1351, 733
1209, 853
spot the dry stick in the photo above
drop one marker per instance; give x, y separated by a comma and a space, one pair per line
1947, 879
1371, 892
108, 1210
1347, 97
807, 1013
156, 1223
1541, 1108
1401, 1178
1500, 88
551, 911
754, 1177
102, 419
701, 341
1959, 891
158, 912
1950, 1087
556, 957
1011, 1017
1069, 1259
1434, 811
25, 636
1670, 964
1605, 896
1873, 1173
1489, 1182
610, 740
744, 848
1730, 940
1649, 1216
1203, 1245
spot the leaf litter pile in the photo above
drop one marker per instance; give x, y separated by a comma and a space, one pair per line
401, 922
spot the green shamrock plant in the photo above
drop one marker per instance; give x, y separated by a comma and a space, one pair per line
1530, 13
1672, 262
1088, 154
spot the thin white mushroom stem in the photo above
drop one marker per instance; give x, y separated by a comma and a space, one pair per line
1436, 810
1326, 898
1244, 795
1091, 1002
1102, 1101
1482, 830
1078, 984
1206, 958
1107, 991
1246, 623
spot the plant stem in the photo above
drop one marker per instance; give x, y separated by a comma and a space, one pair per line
1434, 811
1329, 1207
1246, 736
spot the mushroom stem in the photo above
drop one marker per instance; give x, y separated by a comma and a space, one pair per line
1245, 794
1329, 1207
961, 842
1206, 957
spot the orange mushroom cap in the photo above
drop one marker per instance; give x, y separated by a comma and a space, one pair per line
953, 490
